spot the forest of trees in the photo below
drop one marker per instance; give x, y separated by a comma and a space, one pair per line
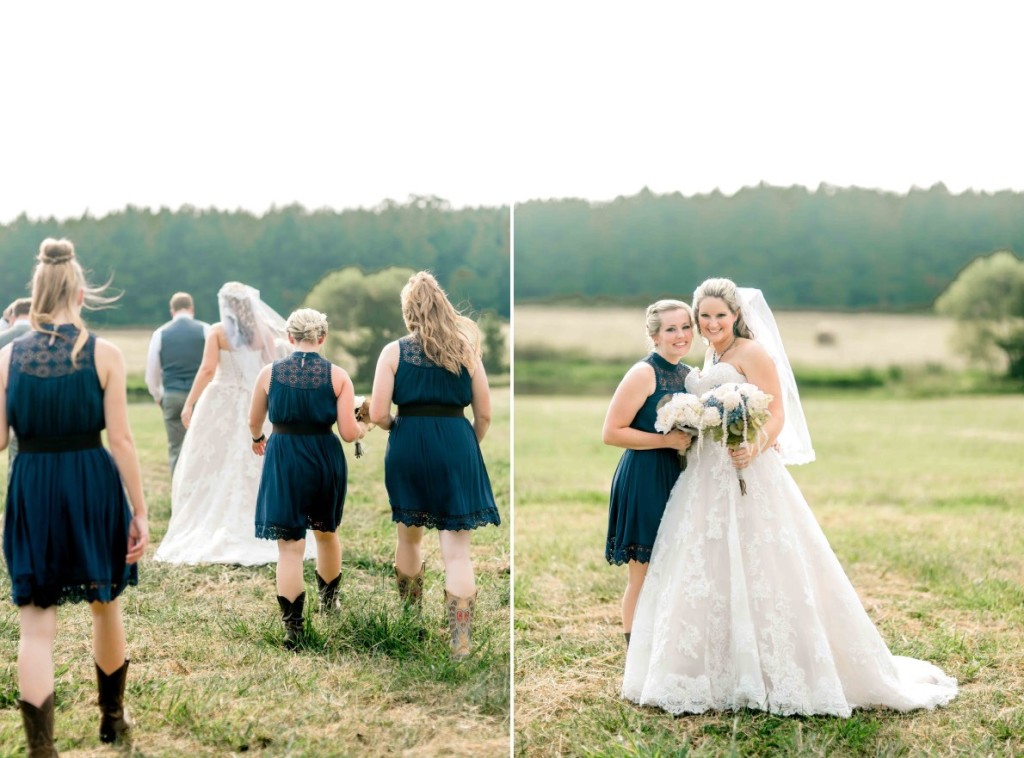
283, 253
830, 248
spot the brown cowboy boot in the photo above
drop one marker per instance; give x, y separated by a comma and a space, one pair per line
410, 588
291, 615
114, 722
39, 728
328, 594
460, 623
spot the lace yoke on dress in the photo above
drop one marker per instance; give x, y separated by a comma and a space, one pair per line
48, 354
304, 371
410, 350
668, 378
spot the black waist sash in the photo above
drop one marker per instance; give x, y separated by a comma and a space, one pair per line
431, 409
302, 428
62, 444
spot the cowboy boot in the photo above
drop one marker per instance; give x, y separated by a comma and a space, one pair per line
410, 588
291, 615
328, 594
39, 728
460, 622
114, 722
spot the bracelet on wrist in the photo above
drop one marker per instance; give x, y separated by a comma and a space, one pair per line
257, 440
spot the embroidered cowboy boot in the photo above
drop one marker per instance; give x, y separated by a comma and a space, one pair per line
410, 588
114, 721
460, 623
328, 594
291, 616
38, 728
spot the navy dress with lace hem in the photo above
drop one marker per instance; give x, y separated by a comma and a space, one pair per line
305, 476
433, 469
644, 478
67, 517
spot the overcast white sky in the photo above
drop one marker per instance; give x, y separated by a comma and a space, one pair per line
248, 104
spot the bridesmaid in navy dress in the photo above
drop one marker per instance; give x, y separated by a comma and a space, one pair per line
650, 465
433, 469
304, 475
69, 533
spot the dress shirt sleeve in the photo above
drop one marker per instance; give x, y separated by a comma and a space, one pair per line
154, 373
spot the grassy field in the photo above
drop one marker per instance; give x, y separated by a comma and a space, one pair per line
858, 339
209, 675
921, 502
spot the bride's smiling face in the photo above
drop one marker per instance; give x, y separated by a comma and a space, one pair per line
674, 336
716, 321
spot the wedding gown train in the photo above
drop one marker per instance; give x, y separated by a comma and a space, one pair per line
746, 606
213, 491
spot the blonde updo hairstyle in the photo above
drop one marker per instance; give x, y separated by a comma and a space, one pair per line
724, 290
449, 339
56, 282
307, 325
653, 317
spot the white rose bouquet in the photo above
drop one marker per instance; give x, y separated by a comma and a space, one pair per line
681, 411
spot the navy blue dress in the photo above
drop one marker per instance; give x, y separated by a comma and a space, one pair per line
643, 478
67, 519
433, 469
305, 475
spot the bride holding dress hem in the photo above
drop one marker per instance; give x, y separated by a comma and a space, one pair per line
745, 605
214, 486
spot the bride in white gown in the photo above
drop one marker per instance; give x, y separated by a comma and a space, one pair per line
213, 491
745, 605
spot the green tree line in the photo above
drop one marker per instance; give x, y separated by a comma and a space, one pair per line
830, 248
284, 253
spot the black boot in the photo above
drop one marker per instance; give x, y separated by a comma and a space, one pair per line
291, 615
39, 728
114, 722
627, 635
328, 593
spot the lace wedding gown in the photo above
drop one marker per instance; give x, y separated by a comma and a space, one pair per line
213, 492
746, 606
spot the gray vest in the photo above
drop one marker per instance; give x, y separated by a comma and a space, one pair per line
181, 352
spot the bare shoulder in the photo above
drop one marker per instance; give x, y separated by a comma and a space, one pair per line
639, 376
338, 373
107, 349
390, 353
750, 351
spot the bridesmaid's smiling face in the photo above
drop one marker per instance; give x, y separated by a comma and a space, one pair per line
675, 335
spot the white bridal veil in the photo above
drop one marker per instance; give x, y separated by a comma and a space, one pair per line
795, 439
251, 324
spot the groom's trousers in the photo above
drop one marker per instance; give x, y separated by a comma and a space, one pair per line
172, 404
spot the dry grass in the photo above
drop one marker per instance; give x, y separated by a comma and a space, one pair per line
920, 501
860, 339
209, 675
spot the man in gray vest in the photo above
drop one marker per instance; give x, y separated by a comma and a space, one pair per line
175, 353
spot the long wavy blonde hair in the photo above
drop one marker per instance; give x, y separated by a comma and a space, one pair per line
449, 339
56, 281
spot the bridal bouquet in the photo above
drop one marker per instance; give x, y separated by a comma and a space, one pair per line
735, 414
362, 414
681, 411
